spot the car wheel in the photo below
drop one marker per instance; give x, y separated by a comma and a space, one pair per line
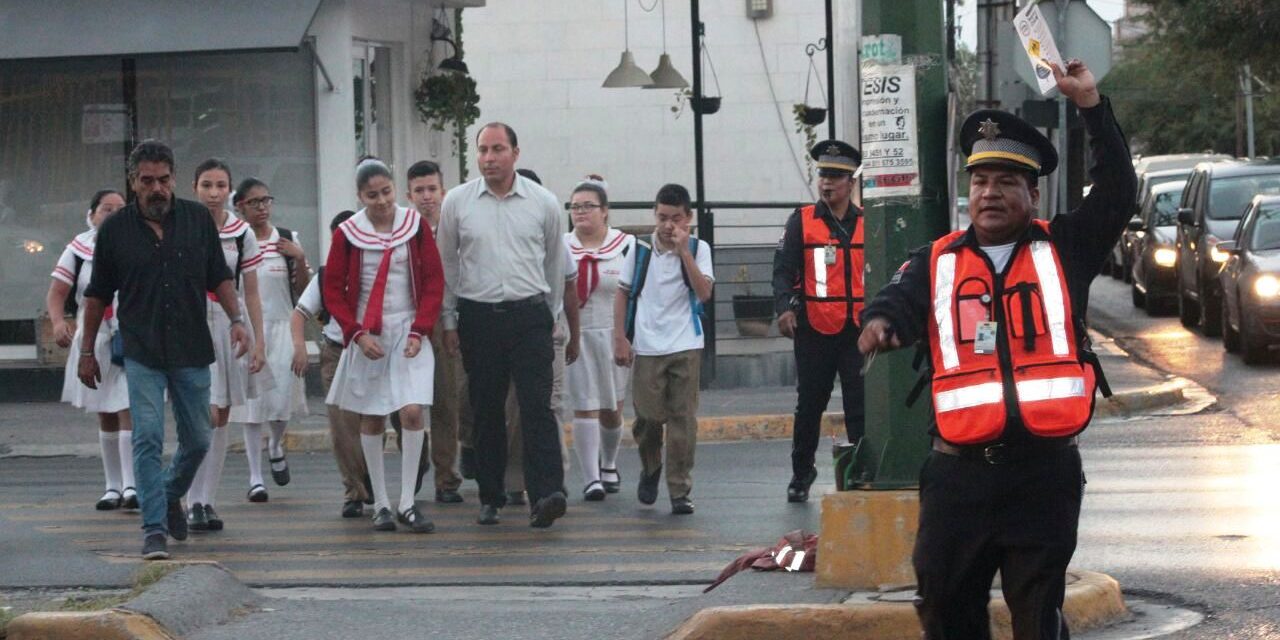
1126, 270
1210, 314
1253, 345
1139, 298
1188, 311
1230, 338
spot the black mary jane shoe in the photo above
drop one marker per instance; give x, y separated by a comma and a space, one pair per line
610, 486
281, 477
130, 501
257, 493
211, 516
384, 521
196, 519
110, 501
593, 492
416, 522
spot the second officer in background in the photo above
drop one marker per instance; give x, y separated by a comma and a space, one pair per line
818, 292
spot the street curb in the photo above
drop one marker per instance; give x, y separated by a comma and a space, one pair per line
195, 595
1092, 601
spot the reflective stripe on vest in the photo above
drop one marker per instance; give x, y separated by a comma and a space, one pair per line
966, 397
1055, 307
832, 293
943, 285
1050, 389
819, 272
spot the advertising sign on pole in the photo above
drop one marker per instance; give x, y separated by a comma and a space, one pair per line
890, 143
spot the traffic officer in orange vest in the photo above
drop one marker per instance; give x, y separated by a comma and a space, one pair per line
1001, 308
817, 287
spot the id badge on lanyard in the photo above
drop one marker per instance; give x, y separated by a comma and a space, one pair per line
984, 339
829, 255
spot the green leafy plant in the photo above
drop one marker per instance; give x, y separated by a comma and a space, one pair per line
448, 102
809, 133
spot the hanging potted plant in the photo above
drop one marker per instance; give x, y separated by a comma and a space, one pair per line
807, 117
806, 128
753, 314
705, 105
448, 101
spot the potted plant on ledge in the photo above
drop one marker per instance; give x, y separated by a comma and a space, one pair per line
753, 314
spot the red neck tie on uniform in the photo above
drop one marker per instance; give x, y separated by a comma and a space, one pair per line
588, 278
373, 311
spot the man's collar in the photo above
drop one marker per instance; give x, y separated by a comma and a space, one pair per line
516, 188
969, 238
821, 209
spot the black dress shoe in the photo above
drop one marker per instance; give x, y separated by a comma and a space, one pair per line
130, 499
548, 510
611, 480
211, 516
682, 506
516, 498
195, 518
798, 490
647, 488
416, 522
384, 521
282, 476
488, 515
109, 501
448, 496
176, 521
467, 463
352, 509
257, 493
593, 492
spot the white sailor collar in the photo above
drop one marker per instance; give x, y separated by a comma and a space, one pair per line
82, 244
614, 243
232, 227
360, 232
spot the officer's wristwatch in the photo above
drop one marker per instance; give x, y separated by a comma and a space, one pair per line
237, 319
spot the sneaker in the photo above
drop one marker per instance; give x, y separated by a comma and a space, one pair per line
154, 547
130, 499
211, 516
176, 520
109, 501
196, 519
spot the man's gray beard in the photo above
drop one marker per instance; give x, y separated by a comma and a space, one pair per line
155, 212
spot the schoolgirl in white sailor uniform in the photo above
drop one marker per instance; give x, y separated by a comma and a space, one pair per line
232, 381
383, 283
111, 399
597, 386
282, 269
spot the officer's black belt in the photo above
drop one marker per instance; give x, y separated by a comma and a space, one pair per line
1001, 453
501, 307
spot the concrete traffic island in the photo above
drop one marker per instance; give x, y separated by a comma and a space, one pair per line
880, 526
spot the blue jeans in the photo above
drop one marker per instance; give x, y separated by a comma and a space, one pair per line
189, 391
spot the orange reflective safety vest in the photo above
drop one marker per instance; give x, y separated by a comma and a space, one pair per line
1028, 361
833, 293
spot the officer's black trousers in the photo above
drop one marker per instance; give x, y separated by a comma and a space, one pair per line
497, 347
1018, 518
818, 358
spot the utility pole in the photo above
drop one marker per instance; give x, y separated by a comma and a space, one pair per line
1246, 87
897, 440
705, 221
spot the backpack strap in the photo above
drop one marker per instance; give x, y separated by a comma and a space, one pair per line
323, 315
643, 251
695, 305
239, 257
69, 305
289, 264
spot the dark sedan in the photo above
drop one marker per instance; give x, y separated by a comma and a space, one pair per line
1251, 282
1152, 252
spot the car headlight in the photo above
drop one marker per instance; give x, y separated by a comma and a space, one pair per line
1266, 286
1217, 255
1166, 257
32, 246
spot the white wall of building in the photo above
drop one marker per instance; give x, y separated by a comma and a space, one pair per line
539, 65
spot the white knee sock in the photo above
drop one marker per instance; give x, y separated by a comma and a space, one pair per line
372, 447
110, 443
216, 457
586, 441
126, 459
410, 456
253, 449
609, 441
276, 442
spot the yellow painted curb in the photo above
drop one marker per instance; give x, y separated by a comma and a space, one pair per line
111, 624
1092, 600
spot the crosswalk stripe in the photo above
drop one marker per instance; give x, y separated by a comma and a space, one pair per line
702, 569
474, 535
469, 554
252, 525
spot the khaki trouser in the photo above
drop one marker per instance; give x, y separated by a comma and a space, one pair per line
446, 413
665, 392
344, 432
514, 479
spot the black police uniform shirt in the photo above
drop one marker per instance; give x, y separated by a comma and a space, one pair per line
162, 282
788, 261
1083, 239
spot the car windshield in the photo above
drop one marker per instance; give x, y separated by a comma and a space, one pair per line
1167, 208
1229, 196
1266, 230
1156, 181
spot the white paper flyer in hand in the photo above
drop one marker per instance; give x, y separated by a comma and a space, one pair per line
1037, 41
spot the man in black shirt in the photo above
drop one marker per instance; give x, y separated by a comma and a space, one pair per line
162, 256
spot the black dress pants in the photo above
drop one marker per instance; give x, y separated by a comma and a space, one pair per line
499, 345
819, 357
1019, 518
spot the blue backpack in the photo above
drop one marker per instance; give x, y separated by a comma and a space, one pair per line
644, 250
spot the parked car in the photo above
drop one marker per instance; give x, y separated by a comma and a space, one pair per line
1212, 204
1175, 161
1251, 282
1122, 255
1151, 249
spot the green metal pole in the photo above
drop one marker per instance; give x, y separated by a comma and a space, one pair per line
897, 440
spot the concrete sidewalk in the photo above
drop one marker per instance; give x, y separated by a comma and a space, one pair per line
42, 429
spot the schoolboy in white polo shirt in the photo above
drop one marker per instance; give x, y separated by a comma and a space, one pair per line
658, 331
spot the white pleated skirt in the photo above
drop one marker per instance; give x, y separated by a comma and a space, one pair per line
380, 387
230, 383
287, 399
595, 382
112, 394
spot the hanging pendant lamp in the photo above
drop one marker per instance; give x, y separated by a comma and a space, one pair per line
627, 73
665, 75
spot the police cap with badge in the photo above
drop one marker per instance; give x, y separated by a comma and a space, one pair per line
994, 137
835, 158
